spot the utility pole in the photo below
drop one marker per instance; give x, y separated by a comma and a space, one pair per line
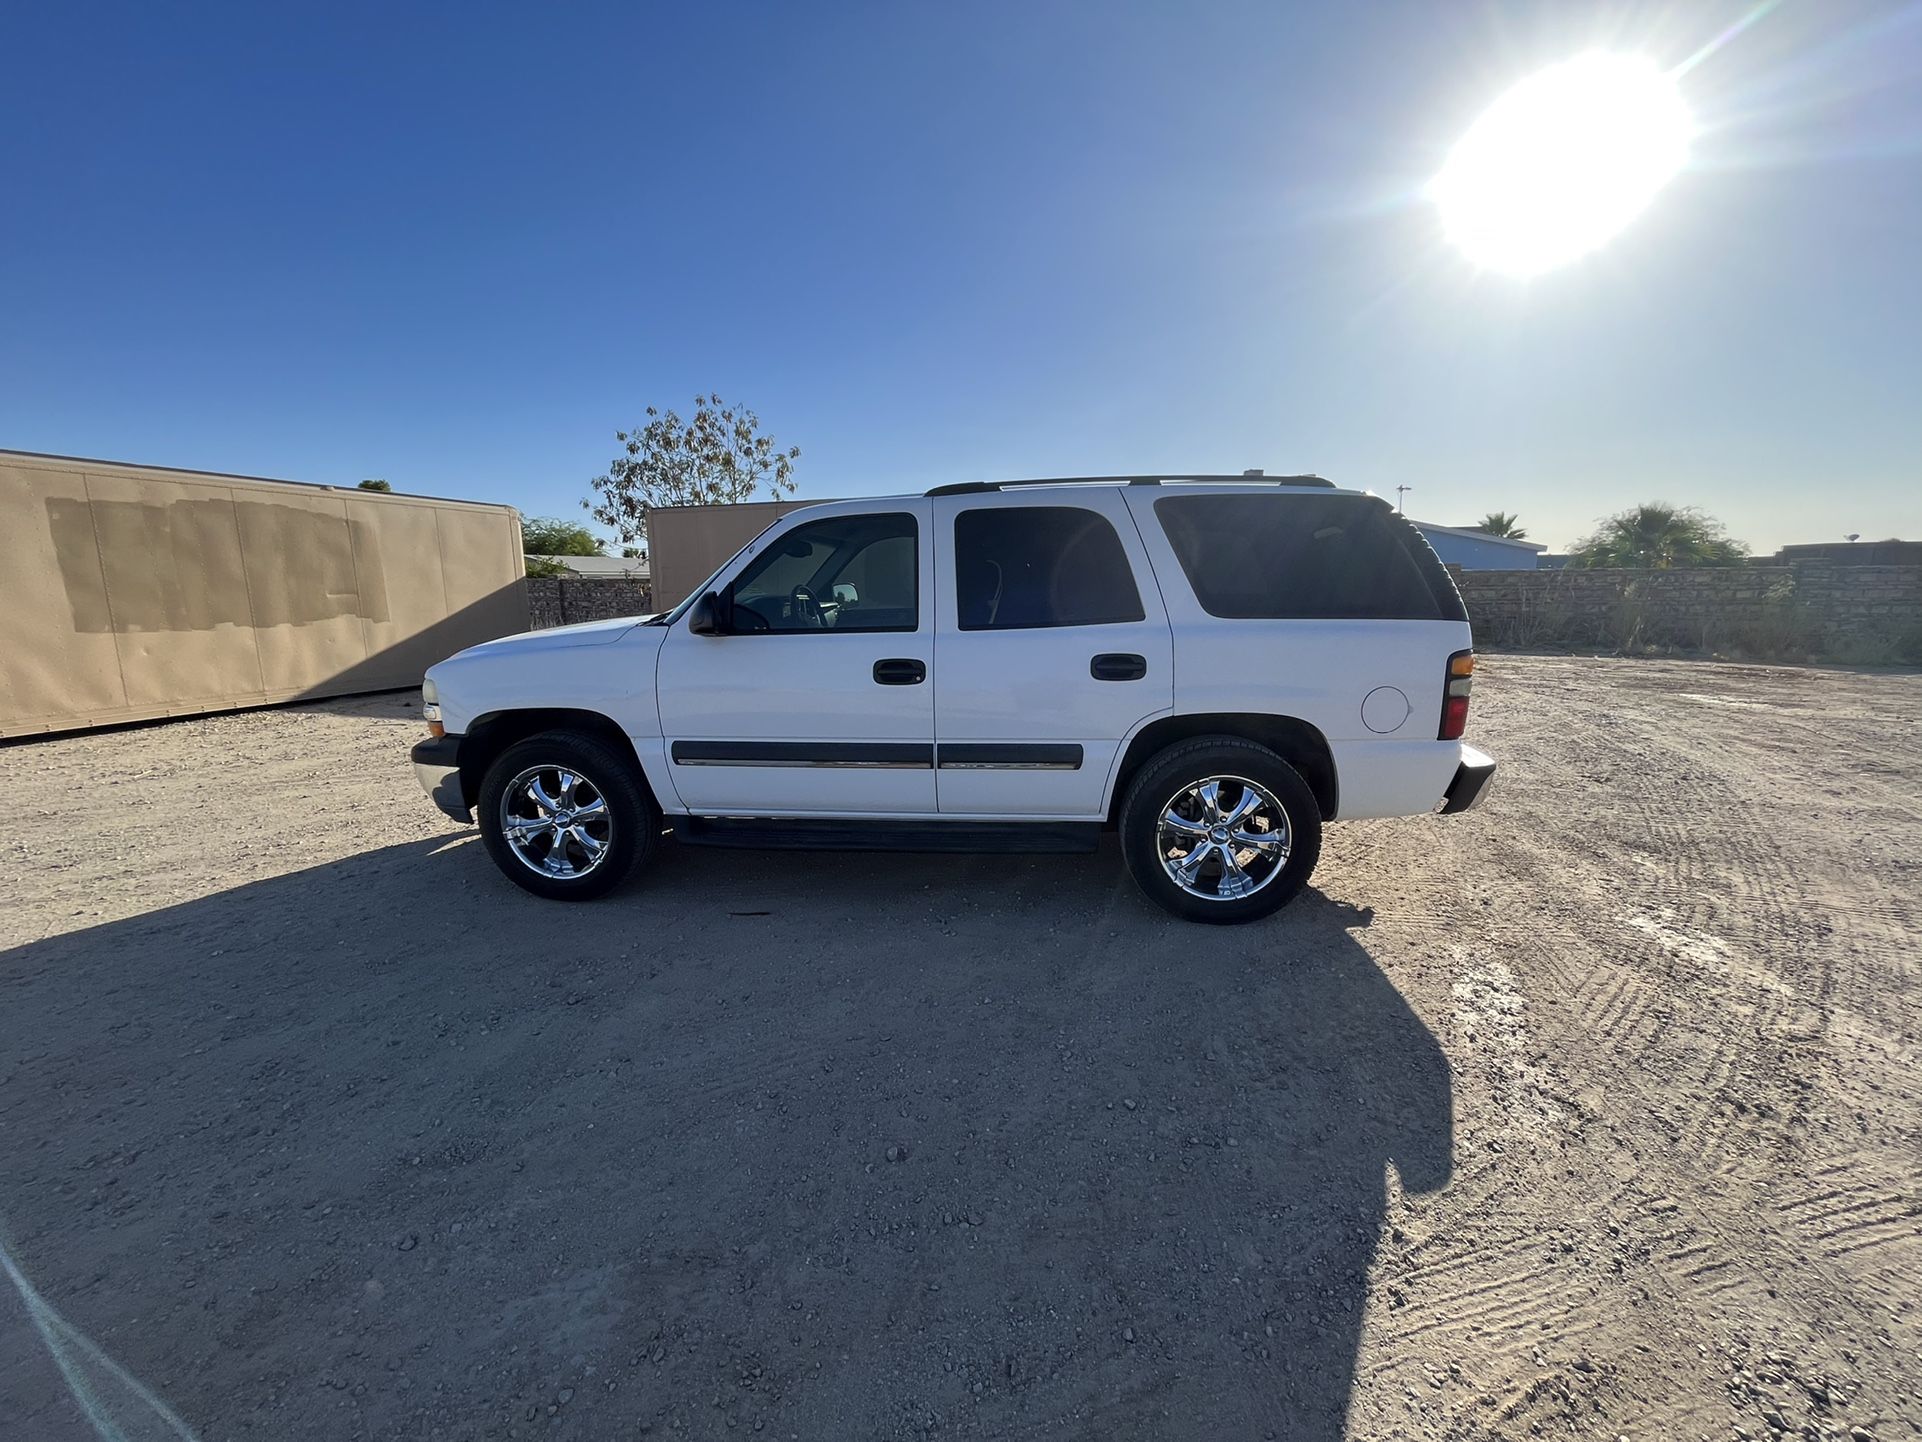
1401, 491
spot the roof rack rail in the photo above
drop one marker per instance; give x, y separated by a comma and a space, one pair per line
1247, 478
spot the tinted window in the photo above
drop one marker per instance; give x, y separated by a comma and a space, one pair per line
1023, 566
1306, 556
845, 573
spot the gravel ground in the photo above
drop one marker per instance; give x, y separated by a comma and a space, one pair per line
1595, 1112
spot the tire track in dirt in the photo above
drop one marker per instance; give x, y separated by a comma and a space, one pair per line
1685, 976
1844, 1212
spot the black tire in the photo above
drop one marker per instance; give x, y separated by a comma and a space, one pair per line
1192, 763
633, 821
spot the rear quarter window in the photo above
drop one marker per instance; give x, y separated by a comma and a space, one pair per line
1267, 556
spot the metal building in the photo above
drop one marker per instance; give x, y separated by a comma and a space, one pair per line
1477, 550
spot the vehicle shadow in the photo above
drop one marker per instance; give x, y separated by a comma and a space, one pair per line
835, 1145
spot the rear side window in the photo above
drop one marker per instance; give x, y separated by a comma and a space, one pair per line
1018, 567
1310, 557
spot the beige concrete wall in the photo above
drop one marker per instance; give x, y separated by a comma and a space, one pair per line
130, 592
686, 543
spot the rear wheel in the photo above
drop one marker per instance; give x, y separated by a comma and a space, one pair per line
1220, 830
565, 816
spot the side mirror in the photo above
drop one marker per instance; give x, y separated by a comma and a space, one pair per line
704, 617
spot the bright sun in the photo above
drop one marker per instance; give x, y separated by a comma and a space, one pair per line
1562, 162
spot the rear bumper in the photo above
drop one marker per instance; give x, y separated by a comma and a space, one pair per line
1477, 769
437, 768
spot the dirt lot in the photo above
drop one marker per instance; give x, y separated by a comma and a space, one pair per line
1593, 1113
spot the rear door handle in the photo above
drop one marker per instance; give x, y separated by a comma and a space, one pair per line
900, 671
1118, 666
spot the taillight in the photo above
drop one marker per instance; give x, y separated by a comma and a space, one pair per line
1461, 680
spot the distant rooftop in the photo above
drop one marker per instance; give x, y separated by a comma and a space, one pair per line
1474, 535
602, 568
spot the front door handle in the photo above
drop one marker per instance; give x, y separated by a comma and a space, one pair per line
1118, 666
900, 671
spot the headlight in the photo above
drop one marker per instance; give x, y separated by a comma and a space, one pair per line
430, 708
429, 693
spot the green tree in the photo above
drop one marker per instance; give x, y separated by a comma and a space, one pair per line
375, 485
716, 457
1659, 537
541, 566
551, 536
1501, 523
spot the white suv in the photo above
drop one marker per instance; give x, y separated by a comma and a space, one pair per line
1212, 666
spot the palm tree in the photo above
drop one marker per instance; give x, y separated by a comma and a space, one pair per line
1659, 537
1501, 523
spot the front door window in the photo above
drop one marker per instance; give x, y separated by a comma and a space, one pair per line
845, 573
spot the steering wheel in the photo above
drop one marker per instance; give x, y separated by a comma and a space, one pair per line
805, 609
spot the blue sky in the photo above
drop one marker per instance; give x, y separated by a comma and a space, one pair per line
459, 247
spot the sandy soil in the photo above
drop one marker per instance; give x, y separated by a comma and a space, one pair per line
1595, 1112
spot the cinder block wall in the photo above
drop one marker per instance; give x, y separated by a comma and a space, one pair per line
1803, 609
566, 601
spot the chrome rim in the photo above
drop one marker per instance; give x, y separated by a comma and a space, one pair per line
1223, 839
556, 821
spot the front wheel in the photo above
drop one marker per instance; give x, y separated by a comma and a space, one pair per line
1220, 830
565, 817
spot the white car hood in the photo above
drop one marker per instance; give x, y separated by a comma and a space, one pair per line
559, 638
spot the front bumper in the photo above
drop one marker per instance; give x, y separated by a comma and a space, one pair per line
437, 768
1477, 769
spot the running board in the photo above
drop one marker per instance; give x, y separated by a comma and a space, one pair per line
808, 834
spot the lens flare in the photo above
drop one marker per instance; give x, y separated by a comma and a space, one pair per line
1562, 162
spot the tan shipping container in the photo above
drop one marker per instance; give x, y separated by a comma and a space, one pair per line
134, 592
686, 543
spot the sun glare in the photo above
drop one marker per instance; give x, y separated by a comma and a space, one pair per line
1562, 162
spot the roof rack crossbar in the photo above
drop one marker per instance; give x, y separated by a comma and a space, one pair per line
972, 488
